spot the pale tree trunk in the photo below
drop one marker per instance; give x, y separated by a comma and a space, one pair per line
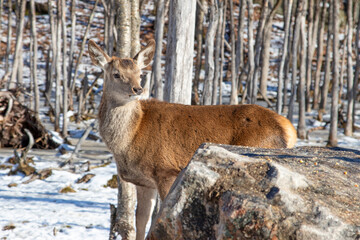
239, 61
335, 86
1, 10
199, 51
18, 47
72, 43
342, 66
357, 51
64, 70
135, 28
179, 52
58, 69
301, 130
159, 34
320, 56
310, 52
350, 74
217, 52
110, 29
8, 40
265, 52
123, 25
222, 51
34, 60
287, 16
326, 81
209, 53
234, 92
53, 49
299, 10
251, 60
259, 38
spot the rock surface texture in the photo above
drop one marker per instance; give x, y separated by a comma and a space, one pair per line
229, 192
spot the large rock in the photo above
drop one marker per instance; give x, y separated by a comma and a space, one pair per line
229, 192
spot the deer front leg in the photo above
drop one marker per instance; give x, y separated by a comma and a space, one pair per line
146, 199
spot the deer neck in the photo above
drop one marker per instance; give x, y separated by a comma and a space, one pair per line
118, 123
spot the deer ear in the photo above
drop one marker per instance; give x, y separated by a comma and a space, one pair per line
144, 57
97, 55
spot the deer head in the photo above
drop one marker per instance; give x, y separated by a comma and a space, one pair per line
122, 75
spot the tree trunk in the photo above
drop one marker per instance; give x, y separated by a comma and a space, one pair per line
234, 92
209, 53
222, 51
320, 56
335, 94
251, 60
159, 34
53, 49
179, 52
239, 61
199, 51
287, 16
301, 130
350, 74
135, 28
357, 50
310, 52
300, 8
8, 42
58, 68
64, 70
72, 44
265, 52
326, 82
218, 52
19, 45
34, 60
123, 25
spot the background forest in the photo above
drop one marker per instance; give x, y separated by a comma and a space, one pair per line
300, 58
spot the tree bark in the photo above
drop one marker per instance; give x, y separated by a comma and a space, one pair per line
218, 52
357, 50
72, 44
301, 130
251, 60
287, 16
64, 70
53, 49
199, 51
34, 60
8, 41
123, 25
310, 52
300, 8
179, 52
265, 52
326, 81
234, 92
209, 53
135, 28
58, 69
18, 47
320, 56
159, 34
222, 51
335, 96
350, 74
239, 61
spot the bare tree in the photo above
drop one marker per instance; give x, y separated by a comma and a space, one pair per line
328, 59
357, 50
319, 56
251, 59
239, 61
234, 91
123, 25
219, 36
209, 53
34, 60
310, 52
159, 34
265, 51
350, 74
300, 8
18, 48
287, 16
64, 70
179, 52
222, 51
53, 49
8, 41
135, 28
200, 13
72, 43
58, 69
335, 96
301, 130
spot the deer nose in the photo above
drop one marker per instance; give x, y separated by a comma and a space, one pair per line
137, 90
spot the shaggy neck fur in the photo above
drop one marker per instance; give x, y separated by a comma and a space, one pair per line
118, 123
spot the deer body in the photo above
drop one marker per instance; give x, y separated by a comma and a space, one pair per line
153, 141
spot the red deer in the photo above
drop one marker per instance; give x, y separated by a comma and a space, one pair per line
152, 141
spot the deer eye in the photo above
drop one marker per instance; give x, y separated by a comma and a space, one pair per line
116, 75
